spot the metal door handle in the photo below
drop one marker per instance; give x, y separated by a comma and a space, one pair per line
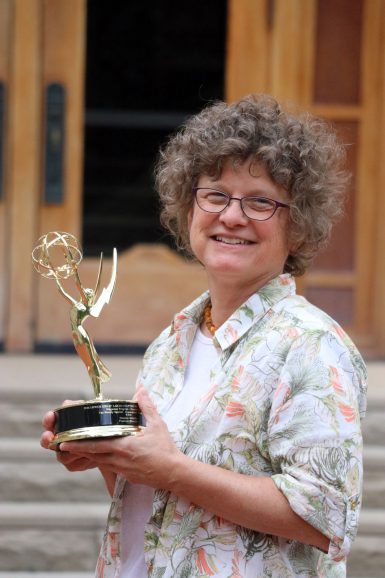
54, 144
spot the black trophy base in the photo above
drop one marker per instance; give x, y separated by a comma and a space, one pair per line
97, 419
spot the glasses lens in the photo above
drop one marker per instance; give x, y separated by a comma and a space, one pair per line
258, 208
211, 201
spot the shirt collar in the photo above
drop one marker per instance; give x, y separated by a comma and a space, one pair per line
249, 313
192, 314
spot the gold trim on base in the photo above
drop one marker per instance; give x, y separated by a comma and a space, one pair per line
95, 432
97, 401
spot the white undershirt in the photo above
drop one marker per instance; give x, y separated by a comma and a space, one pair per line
137, 499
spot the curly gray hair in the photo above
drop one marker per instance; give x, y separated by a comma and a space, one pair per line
300, 152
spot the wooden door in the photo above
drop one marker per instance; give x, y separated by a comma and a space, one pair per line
20, 38
5, 17
41, 49
329, 56
61, 207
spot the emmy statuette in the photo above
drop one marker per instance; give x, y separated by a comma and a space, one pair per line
57, 256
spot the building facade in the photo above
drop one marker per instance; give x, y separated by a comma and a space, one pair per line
327, 56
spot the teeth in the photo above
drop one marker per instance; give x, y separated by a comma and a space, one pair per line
232, 241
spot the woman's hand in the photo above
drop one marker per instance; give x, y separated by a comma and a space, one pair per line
72, 463
147, 458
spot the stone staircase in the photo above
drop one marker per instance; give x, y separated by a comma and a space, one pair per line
51, 521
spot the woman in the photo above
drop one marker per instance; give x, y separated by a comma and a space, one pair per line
251, 462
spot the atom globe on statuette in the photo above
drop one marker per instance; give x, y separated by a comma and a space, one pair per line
57, 256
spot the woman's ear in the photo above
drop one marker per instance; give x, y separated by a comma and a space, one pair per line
293, 242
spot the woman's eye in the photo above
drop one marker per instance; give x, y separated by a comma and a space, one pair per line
216, 198
260, 203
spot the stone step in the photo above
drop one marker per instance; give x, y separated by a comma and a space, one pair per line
373, 426
372, 522
30, 473
374, 477
59, 537
53, 378
23, 450
65, 537
47, 574
13, 574
50, 483
19, 418
23, 420
367, 557
52, 515
33, 384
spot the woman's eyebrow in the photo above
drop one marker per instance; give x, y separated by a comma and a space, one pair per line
255, 191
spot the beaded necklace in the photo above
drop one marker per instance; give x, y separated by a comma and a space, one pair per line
208, 319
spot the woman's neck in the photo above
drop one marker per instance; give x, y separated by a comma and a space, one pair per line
225, 299
222, 306
226, 296
216, 313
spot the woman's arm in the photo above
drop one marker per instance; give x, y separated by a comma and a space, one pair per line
109, 479
251, 502
153, 459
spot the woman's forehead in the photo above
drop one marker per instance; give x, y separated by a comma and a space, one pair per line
251, 166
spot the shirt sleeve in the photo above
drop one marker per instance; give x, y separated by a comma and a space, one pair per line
315, 440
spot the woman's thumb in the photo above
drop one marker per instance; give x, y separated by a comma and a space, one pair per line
147, 407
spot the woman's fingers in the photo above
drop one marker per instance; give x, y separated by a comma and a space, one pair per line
46, 439
49, 420
147, 407
75, 463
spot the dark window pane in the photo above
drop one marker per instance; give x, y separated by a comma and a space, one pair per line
148, 68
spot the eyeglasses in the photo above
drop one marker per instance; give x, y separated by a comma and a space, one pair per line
255, 208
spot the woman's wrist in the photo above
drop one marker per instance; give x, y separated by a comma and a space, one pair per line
109, 479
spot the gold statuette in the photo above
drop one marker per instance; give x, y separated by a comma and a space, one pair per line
57, 256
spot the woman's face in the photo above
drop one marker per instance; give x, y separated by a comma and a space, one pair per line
234, 249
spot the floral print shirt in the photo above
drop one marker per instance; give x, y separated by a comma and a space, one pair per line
285, 401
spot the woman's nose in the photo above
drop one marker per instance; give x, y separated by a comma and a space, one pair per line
233, 214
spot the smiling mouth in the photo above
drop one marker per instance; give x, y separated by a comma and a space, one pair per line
232, 241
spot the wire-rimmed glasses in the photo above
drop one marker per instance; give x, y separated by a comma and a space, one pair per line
255, 208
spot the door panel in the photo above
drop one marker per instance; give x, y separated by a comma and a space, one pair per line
23, 169
63, 65
328, 56
338, 48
